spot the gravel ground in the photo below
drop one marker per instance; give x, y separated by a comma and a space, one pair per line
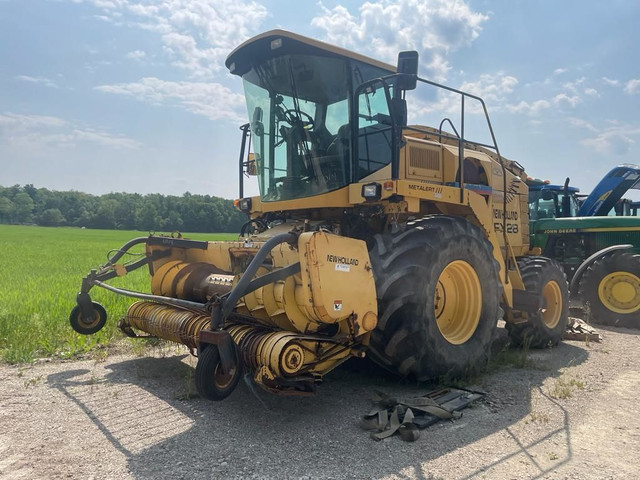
572, 413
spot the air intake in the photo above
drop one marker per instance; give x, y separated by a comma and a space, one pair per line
424, 159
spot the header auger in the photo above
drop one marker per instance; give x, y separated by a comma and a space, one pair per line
370, 236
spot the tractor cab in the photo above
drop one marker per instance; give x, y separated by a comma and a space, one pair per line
556, 201
310, 106
552, 201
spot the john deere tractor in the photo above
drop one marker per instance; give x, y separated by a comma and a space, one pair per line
599, 252
369, 236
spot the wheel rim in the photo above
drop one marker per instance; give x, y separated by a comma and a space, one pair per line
620, 292
552, 297
221, 379
95, 320
458, 302
85, 324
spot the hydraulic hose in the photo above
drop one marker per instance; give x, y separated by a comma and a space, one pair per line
251, 270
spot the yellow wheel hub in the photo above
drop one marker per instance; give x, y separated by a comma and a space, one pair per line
552, 306
620, 292
223, 380
458, 302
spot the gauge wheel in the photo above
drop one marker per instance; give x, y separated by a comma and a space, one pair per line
211, 382
88, 326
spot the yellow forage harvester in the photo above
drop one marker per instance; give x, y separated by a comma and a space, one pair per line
369, 236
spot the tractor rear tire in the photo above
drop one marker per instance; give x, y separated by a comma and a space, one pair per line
545, 277
611, 287
438, 299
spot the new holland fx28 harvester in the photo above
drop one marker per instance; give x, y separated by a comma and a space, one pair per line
369, 235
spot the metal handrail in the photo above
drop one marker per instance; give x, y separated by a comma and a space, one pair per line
462, 141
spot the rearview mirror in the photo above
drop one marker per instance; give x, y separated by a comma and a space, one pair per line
547, 194
408, 68
251, 167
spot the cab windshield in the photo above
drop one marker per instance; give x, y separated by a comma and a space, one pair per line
551, 204
299, 108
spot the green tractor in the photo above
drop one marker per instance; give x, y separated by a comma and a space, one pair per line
596, 241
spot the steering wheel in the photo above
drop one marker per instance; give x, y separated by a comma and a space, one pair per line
294, 117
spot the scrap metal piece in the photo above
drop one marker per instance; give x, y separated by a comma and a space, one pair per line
578, 329
417, 413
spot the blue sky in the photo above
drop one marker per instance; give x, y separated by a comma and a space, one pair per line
132, 95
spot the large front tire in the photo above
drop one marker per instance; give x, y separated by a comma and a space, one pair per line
545, 278
611, 286
438, 298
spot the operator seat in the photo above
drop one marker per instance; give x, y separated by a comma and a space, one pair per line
340, 144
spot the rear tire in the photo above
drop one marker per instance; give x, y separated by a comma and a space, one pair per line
438, 298
611, 286
544, 277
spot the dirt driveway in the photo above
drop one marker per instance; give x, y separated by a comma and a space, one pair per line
572, 412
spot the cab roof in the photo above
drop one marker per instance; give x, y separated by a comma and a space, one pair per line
555, 188
281, 42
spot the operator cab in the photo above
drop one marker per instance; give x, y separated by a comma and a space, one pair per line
302, 97
552, 201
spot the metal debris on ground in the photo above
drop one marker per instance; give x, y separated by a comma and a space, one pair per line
406, 416
578, 329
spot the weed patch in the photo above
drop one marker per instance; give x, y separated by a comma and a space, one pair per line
564, 387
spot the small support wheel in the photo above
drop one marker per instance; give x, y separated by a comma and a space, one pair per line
88, 326
211, 382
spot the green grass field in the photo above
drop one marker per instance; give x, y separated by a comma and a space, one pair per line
40, 275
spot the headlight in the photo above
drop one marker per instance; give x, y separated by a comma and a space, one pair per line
372, 191
243, 204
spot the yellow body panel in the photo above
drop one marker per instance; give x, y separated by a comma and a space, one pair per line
335, 284
340, 278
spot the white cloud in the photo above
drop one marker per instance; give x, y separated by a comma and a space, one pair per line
610, 142
136, 55
616, 139
492, 88
611, 82
72, 139
564, 99
575, 85
196, 34
559, 71
38, 80
32, 132
536, 107
104, 138
16, 121
592, 92
103, 18
211, 100
383, 28
579, 122
632, 87
533, 108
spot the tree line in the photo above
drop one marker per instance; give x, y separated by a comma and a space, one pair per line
118, 211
